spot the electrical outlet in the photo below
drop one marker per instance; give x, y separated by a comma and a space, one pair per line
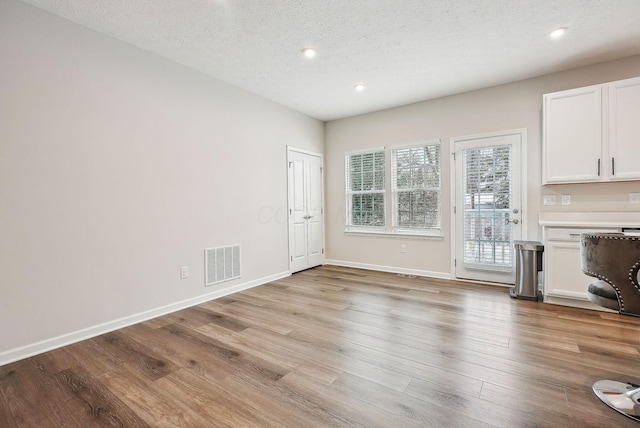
549, 199
403, 248
634, 198
566, 199
184, 272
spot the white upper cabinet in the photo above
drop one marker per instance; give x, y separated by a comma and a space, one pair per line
573, 136
592, 134
624, 129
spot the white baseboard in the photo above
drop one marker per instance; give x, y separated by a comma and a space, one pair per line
575, 303
30, 350
391, 269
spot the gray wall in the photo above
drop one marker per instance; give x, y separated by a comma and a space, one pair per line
118, 167
505, 107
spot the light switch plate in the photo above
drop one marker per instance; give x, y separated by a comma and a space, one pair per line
566, 199
634, 198
549, 199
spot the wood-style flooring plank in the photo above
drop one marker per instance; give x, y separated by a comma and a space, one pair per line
212, 401
347, 404
93, 402
22, 389
154, 405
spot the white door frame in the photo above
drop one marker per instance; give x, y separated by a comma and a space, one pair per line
291, 149
523, 185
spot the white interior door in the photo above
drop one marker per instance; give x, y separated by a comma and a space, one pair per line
306, 210
488, 205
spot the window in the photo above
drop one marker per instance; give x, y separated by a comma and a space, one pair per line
415, 187
365, 190
415, 190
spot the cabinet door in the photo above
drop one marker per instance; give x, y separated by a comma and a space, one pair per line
564, 282
624, 129
564, 277
572, 136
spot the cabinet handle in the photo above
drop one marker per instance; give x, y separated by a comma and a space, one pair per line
613, 166
598, 167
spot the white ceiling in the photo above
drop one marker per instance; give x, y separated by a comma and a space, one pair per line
404, 51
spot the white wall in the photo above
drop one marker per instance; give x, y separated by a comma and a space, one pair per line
116, 168
505, 107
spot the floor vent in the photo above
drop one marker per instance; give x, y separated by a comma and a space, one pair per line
221, 264
405, 275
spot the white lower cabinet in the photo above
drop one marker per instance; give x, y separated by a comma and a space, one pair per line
564, 282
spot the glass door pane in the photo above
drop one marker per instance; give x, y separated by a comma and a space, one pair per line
487, 195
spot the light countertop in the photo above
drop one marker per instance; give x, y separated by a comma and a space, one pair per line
589, 219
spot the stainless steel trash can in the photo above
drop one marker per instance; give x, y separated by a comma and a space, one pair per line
528, 255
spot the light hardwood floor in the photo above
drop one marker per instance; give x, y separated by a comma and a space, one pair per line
335, 346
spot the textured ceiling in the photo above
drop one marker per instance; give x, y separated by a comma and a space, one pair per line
404, 51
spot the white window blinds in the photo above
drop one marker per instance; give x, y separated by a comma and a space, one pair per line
365, 189
487, 195
416, 188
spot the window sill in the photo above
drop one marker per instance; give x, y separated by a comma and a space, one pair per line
401, 235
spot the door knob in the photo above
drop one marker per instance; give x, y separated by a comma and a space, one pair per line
515, 221
516, 211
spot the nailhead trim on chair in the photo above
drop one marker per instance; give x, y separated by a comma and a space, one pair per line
635, 284
633, 280
605, 279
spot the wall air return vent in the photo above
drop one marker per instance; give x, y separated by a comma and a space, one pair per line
221, 264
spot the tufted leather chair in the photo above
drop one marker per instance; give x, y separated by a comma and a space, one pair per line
615, 260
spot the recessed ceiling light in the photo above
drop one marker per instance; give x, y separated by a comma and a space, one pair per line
558, 32
358, 87
309, 52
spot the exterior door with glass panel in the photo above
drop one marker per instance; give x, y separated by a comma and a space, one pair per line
488, 212
306, 217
